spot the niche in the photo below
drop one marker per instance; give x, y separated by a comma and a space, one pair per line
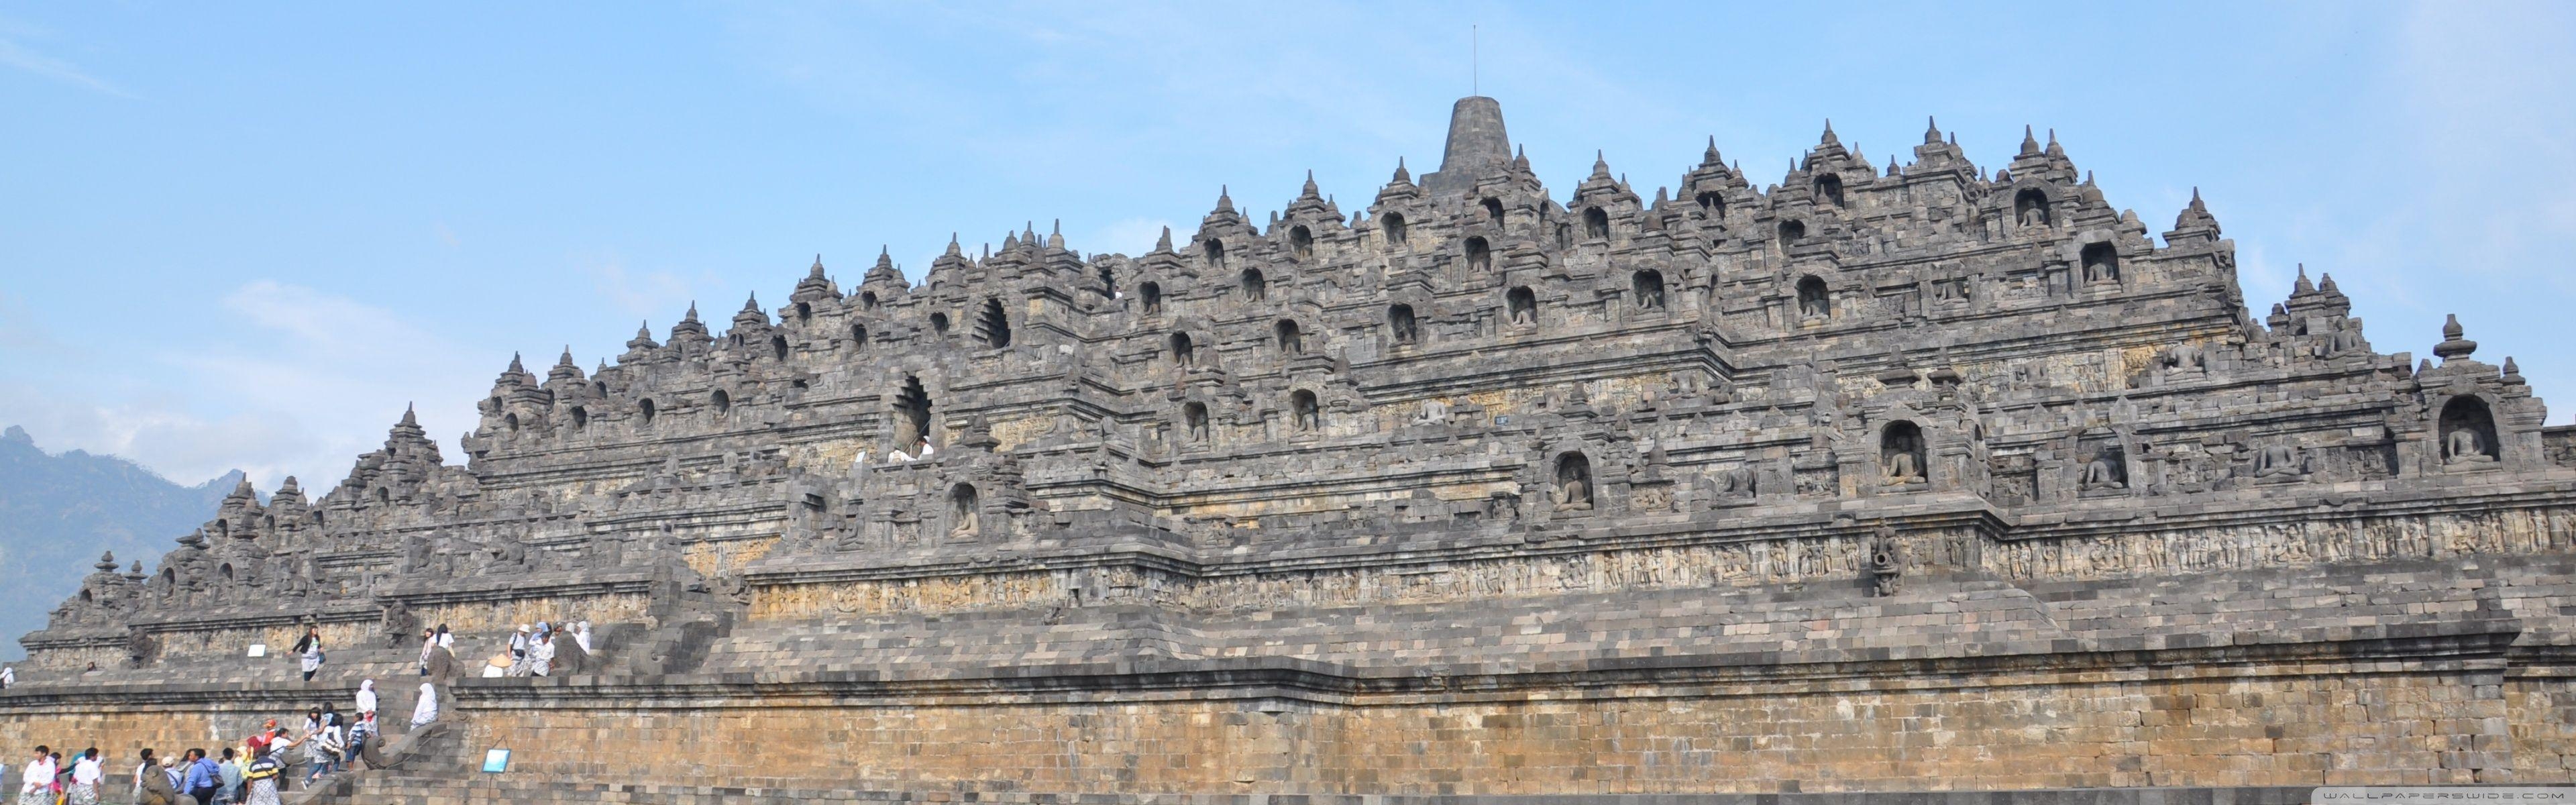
1400, 324
1153, 293
1301, 243
511, 421
858, 336
1194, 422
911, 414
226, 572
1480, 255
778, 347
963, 513
1108, 283
994, 327
1710, 202
2101, 263
1182, 352
804, 312
1573, 482
644, 412
1792, 231
939, 323
580, 417
1393, 223
1292, 340
2468, 432
1829, 189
1303, 413
1646, 288
1522, 304
723, 403
1494, 212
1596, 224
1215, 251
599, 389
1814, 302
2030, 207
1255, 288
383, 495
1900, 453
868, 299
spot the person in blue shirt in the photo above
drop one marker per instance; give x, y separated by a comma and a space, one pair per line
203, 777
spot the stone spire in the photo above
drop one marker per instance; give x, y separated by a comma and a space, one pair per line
1477, 144
2453, 346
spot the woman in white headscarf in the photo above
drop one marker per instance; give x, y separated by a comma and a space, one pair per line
366, 697
427, 710
8, 676
581, 635
541, 655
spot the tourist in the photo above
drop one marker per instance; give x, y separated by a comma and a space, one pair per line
260, 781
426, 710
308, 651
323, 749
151, 787
148, 763
428, 645
85, 777
541, 656
581, 635
362, 742
519, 651
229, 788
202, 777
8, 676
36, 782
366, 697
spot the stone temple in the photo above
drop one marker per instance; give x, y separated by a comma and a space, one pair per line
1927, 478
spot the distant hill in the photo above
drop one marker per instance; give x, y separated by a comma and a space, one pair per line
57, 512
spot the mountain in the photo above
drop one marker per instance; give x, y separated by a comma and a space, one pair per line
58, 511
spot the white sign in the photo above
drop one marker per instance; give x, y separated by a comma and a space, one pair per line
259, 649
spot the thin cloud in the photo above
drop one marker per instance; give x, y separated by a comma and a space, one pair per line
20, 57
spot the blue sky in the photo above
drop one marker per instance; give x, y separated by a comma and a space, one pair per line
246, 236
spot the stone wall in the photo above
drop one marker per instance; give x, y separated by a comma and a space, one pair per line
2278, 726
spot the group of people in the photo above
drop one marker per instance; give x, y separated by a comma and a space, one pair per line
250, 773
533, 651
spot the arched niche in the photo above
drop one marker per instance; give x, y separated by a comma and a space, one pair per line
644, 412
911, 414
1255, 287
1394, 226
1152, 292
1596, 224
993, 327
580, 418
1291, 338
1792, 231
1183, 352
965, 511
1814, 300
1304, 414
2101, 262
858, 336
939, 324
1400, 325
1521, 305
1480, 255
1194, 422
1710, 202
1301, 243
1902, 459
1494, 212
778, 347
2030, 207
1573, 487
1829, 190
2468, 433
723, 402
1646, 289
1214, 250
